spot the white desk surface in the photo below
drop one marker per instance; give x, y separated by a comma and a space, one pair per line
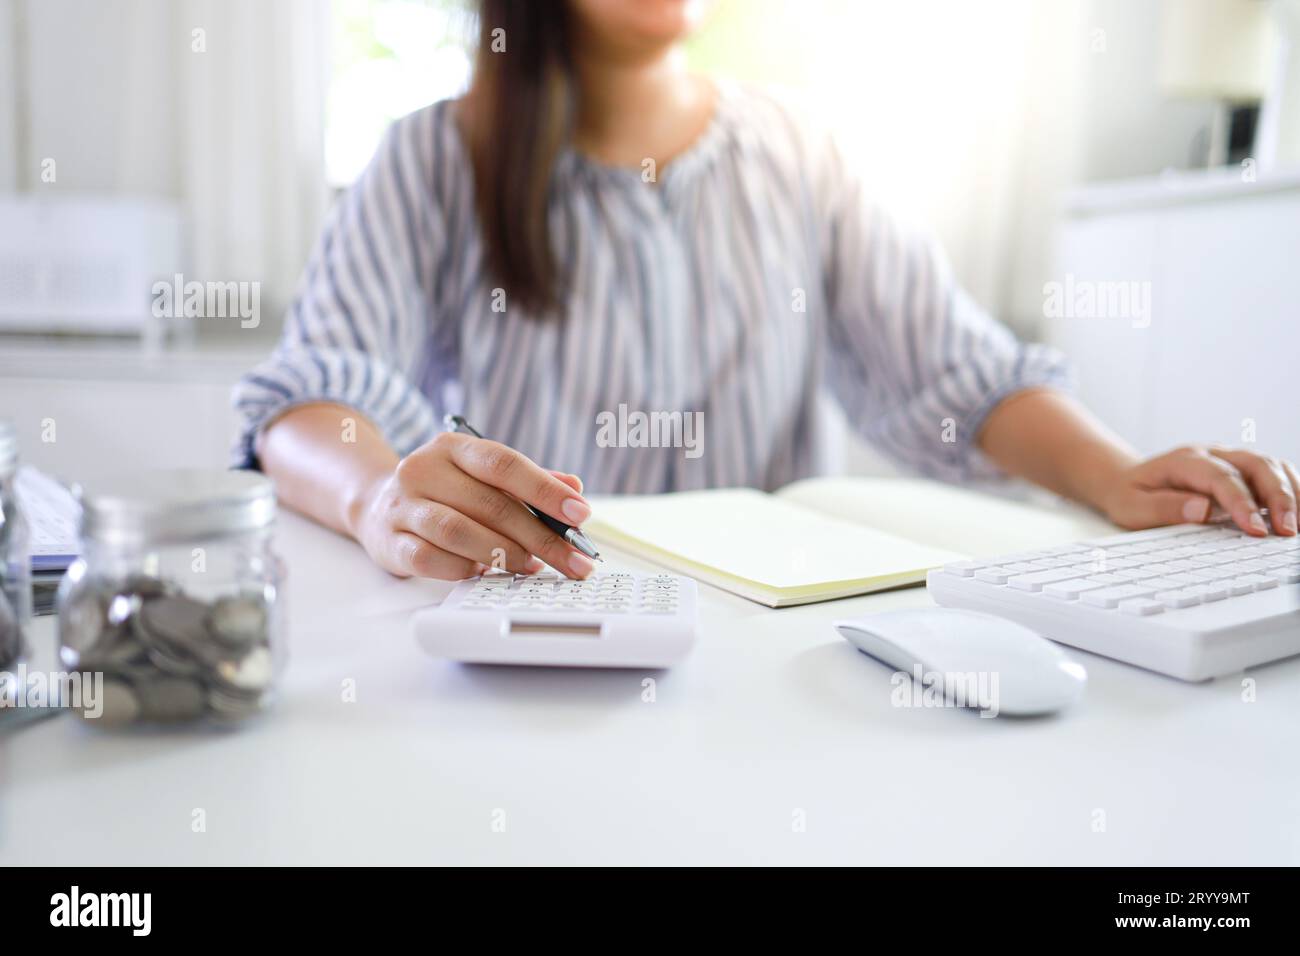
773, 715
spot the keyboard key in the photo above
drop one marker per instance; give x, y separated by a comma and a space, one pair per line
1111, 597
1132, 576
1125, 564
1289, 575
1062, 549
1214, 591
963, 569
1106, 579
1204, 576
1211, 547
1250, 567
1035, 581
1142, 607
1071, 589
1176, 599
1183, 580
1051, 564
1022, 567
1258, 581
1172, 582
994, 575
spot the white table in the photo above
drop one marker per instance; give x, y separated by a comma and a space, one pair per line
772, 722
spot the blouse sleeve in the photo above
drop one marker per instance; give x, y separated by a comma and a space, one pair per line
360, 318
916, 363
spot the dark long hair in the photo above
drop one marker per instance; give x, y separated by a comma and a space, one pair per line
522, 115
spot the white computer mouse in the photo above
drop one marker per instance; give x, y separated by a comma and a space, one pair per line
971, 659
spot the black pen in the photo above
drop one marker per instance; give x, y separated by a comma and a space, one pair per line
570, 534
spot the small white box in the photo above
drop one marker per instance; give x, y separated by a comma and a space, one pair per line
84, 263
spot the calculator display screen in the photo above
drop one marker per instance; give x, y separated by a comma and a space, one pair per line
553, 629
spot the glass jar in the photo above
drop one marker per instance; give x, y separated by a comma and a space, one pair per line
176, 599
15, 567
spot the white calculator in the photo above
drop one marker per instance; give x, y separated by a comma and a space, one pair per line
612, 619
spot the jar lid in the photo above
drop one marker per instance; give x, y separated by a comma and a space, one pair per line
8, 449
169, 506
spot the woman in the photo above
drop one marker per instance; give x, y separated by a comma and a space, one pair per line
591, 227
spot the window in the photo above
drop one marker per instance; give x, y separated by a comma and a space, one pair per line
390, 57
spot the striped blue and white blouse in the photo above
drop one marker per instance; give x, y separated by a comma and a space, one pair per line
754, 274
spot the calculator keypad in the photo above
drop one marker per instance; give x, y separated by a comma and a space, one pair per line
613, 592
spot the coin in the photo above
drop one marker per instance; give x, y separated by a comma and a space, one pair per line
113, 651
238, 621
144, 585
118, 702
233, 706
175, 619
171, 698
174, 634
167, 656
251, 672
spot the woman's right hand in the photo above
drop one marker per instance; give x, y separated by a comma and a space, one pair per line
452, 509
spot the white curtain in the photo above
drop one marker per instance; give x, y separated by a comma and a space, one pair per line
216, 104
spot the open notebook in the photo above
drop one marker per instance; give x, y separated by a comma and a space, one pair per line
826, 538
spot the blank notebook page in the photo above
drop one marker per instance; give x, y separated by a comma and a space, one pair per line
759, 538
972, 522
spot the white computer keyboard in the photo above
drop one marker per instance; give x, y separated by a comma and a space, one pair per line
1191, 601
612, 619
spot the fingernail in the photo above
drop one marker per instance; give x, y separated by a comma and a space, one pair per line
534, 566
1289, 522
1257, 522
575, 510
1195, 510
580, 564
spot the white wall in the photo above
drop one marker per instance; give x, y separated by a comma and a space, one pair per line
1130, 127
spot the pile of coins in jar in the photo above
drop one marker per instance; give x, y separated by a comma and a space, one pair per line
167, 656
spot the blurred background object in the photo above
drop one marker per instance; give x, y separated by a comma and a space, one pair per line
1029, 136
72, 263
1220, 51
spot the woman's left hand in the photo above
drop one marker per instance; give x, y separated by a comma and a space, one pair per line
1182, 485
